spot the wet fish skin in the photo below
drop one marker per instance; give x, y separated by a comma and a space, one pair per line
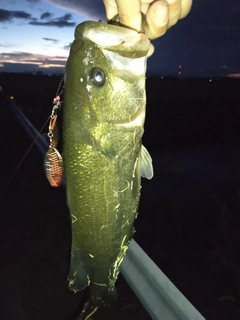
103, 118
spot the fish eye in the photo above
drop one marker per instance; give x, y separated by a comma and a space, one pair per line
98, 77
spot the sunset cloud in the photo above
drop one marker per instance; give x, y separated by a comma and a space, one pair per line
67, 47
50, 39
8, 15
233, 75
59, 22
11, 60
46, 15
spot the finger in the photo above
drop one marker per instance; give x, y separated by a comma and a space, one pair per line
174, 12
185, 8
130, 13
110, 8
178, 9
151, 50
157, 18
144, 7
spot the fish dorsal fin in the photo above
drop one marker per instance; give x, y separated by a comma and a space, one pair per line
146, 166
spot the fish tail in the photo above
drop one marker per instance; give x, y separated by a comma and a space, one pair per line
96, 299
87, 311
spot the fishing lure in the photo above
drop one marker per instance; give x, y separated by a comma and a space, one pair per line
53, 164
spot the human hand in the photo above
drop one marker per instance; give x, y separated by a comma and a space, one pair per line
160, 14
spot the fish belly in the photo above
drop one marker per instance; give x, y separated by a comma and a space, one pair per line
102, 194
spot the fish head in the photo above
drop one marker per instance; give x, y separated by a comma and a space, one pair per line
105, 75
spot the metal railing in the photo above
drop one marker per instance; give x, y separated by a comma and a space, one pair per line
159, 296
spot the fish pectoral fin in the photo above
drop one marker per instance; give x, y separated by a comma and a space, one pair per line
78, 277
146, 166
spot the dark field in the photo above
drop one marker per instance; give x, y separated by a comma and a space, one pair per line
189, 215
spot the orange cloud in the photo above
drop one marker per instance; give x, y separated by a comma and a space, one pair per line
233, 75
32, 59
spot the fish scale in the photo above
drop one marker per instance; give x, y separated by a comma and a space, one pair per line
103, 156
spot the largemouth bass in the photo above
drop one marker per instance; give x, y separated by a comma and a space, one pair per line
103, 118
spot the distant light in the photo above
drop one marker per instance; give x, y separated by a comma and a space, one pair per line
11, 97
161, 77
180, 67
210, 80
179, 72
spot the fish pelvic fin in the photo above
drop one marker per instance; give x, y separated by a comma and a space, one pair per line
146, 166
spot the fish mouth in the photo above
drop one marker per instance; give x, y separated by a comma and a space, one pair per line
125, 49
126, 42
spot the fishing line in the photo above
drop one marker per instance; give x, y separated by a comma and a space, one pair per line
58, 92
23, 158
57, 105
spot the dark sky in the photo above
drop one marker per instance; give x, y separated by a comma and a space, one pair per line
205, 44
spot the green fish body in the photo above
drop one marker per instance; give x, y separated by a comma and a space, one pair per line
103, 118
